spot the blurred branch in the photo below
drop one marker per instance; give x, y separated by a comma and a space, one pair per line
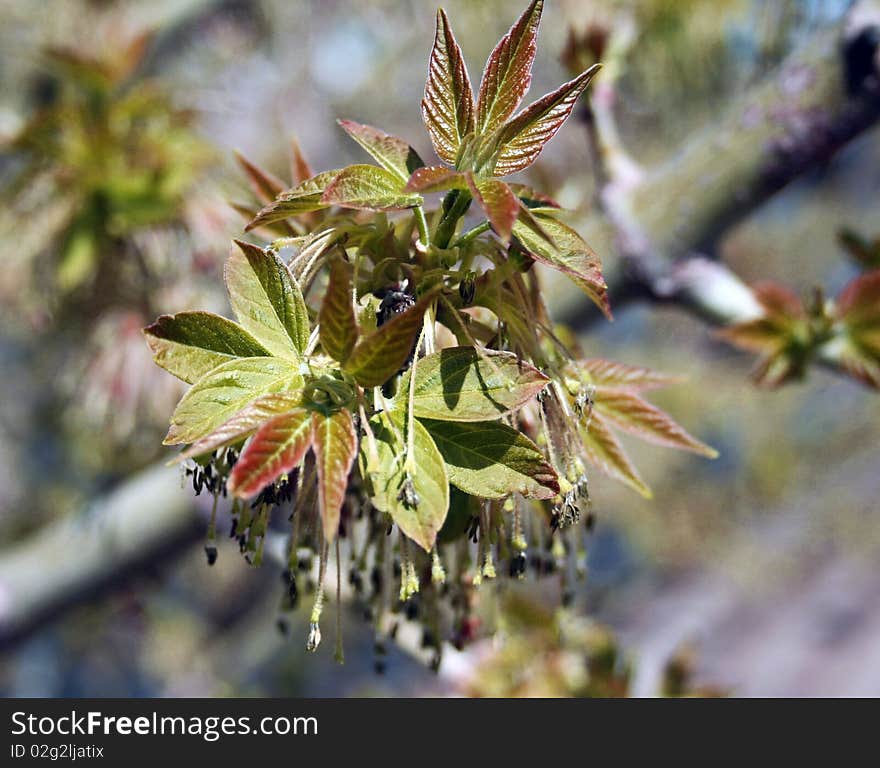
129, 532
822, 97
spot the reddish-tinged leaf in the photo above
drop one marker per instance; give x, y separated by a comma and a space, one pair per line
857, 347
380, 354
369, 188
858, 304
337, 320
244, 423
276, 448
604, 450
613, 375
569, 254
189, 344
300, 170
448, 106
303, 198
248, 213
335, 447
508, 71
436, 178
778, 300
499, 204
632, 414
393, 154
522, 139
266, 186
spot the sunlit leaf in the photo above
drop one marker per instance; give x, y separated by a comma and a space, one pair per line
463, 384
303, 198
632, 414
370, 188
337, 321
335, 447
267, 301
448, 106
225, 390
276, 448
244, 423
499, 204
387, 476
492, 460
189, 344
521, 140
508, 71
436, 178
380, 354
604, 450
570, 255
857, 346
393, 154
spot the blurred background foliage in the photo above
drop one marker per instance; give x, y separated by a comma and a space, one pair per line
753, 574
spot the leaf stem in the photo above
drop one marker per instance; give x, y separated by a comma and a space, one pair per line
471, 234
422, 224
455, 205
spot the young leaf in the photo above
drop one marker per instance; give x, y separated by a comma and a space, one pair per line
499, 204
277, 447
631, 413
521, 140
189, 344
393, 154
303, 198
300, 170
386, 479
605, 451
463, 384
225, 390
266, 300
335, 446
369, 188
448, 106
532, 198
607, 373
857, 347
337, 321
491, 460
266, 187
243, 423
435, 178
508, 71
569, 254
380, 354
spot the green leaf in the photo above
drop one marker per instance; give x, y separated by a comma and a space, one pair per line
337, 321
508, 71
499, 204
227, 389
277, 447
462, 384
393, 154
381, 354
243, 423
387, 475
632, 414
267, 301
521, 140
189, 344
303, 198
435, 178
492, 460
448, 106
369, 188
604, 450
335, 446
569, 254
